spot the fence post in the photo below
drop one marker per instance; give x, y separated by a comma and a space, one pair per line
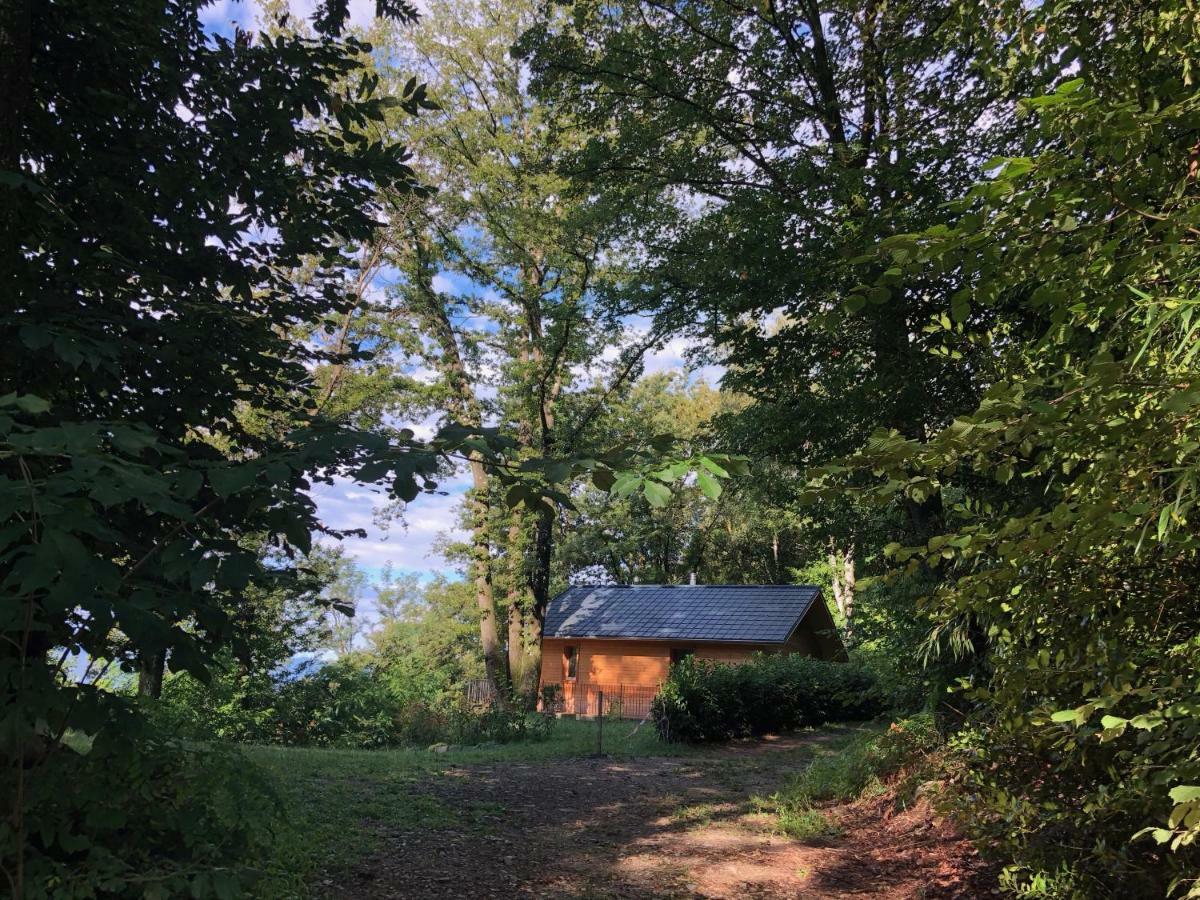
600, 727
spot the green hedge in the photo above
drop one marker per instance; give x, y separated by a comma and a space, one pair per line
704, 701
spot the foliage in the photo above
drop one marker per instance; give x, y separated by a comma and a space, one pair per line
752, 155
349, 703
491, 314
1070, 564
846, 772
143, 463
705, 701
890, 625
146, 818
430, 650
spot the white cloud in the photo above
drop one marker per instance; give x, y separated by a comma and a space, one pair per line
407, 545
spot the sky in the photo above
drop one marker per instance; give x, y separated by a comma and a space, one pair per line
222, 16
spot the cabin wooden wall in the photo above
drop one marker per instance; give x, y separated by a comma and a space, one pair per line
642, 663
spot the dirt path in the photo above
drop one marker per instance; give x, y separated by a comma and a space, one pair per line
657, 828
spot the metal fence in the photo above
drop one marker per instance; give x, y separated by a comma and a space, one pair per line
622, 701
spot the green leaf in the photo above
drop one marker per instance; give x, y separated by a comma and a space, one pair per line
709, 486
626, 484
603, 479
558, 471
657, 495
1185, 793
32, 404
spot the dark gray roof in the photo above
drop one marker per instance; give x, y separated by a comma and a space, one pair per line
759, 614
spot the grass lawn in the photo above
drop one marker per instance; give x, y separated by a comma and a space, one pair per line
339, 801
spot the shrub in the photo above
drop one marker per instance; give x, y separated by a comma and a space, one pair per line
495, 725
338, 705
343, 704
151, 818
705, 701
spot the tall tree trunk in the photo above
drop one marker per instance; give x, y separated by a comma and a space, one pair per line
514, 586
531, 672
481, 575
540, 588
466, 406
842, 578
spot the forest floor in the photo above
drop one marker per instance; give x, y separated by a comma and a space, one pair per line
695, 825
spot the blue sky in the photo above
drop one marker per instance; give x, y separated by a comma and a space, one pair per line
221, 16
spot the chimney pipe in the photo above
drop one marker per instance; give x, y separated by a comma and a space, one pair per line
692, 578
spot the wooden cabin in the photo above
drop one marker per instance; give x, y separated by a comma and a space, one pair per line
620, 640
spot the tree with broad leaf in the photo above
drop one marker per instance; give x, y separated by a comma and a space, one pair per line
491, 298
1071, 561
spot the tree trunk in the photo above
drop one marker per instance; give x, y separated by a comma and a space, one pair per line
531, 671
481, 575
842, 579
466, 406
516, 643
150, 675
848, 591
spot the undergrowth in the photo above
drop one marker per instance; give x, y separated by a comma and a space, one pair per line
858, 768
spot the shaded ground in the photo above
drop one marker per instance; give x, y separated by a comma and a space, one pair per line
654, 827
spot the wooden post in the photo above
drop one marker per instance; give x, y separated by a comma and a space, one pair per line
600, 727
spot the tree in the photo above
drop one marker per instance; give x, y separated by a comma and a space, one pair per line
1071, 566
432, 651
396, 594
148, 248
493, 300
752, 152
344, 594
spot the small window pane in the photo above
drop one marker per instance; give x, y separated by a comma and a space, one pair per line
571, 660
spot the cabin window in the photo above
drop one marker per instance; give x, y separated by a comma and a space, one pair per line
679, 654
570, 662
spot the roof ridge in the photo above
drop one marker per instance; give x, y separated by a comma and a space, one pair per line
705, 585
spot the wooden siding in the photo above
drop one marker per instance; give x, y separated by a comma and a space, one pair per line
642, 663
623, 662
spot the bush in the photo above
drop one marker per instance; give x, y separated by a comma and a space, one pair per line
145, 818
499, 726
704, 701
343, 704
338, 705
